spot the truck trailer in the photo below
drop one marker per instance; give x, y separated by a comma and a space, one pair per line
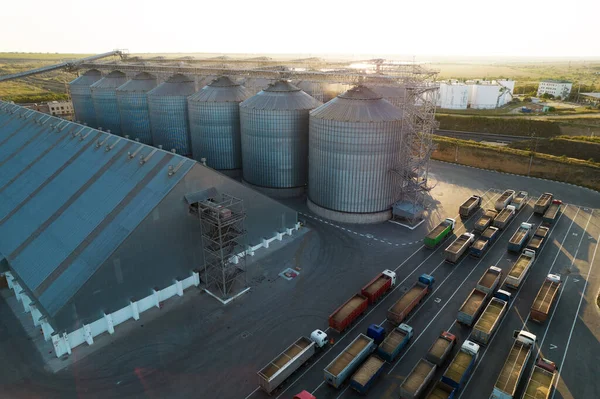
440, 349
366, 375
541, 380
442, 390
519, 239
459, 247
485, 220
514, 366
439, 233
471, 307
490, 280
504, 217
459, 371
552, 212
545, 298
409, 300
484, 242
290, 360
349, 360
351, 310
394, 342
418, 379
538, 238
543, 203
469, 206
519, 270
520, 200
504, 200
490, 319
377, 287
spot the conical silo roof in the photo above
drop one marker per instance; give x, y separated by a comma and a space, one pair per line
88, 78
282, 96
142, 82
221, 90
176, 85
359, 104
110, 81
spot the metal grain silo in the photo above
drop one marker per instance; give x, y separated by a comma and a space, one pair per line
274, 127
355, 142
104, 95
133, 106
81, 95
167, 104
214, 116
393, 92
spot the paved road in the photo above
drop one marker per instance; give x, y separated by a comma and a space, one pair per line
479, 136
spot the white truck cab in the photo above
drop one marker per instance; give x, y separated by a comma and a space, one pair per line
319, 337
391, 275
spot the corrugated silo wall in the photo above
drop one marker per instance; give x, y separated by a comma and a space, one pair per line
351, 165
169, 123
107, 109
83, 105
135, 118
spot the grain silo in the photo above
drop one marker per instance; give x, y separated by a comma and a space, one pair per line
214, 116
167, 104
104, 95
274, 127
133, 106
393, 92
81, 95
355, 143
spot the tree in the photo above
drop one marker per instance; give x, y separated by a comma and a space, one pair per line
527, 100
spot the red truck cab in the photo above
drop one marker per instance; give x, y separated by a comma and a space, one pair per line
304, 395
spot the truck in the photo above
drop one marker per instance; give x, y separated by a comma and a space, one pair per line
545, 298
441, 391
290, 360
514, 366
471, 307
459, 247
504, 200
366, 375
409, 300
542, 203
418, 379
376, 332
304, 395
458, 372
552, 212
538, 238
439, 233
541, 380
491, 317
394, 342
520, 200
351, 310
504, 217
377, 287
490, 280
485, 220
349, 360
519, 270
483, 242
440, 349
518, 240
470, 206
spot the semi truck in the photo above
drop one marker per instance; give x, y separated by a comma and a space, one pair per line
538, 238
490, 319
351, 310
458, 372
440, 349
514, 366
518, 240
542, 203
409, 300
545, 298
394, 342
475, 302
504, 217
441, 390
377, 287
541, 380
552, 212
490, 280
418, 379
470, 206
459, 247
504, 200
483, 242
485, 220
519, 270
520, 200
290, 360
439, 233
349, 360
366, 375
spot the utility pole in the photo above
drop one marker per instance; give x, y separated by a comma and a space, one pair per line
533, 153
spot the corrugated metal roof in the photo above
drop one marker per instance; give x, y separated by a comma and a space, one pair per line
68, 199
221, 90
142, 82
281, 96
110, 81
87, 78
176, 85
359, 104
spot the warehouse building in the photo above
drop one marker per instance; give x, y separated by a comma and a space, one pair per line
95, 228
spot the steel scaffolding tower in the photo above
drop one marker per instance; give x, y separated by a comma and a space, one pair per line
223, 239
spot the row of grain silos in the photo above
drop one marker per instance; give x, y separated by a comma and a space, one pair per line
282, 139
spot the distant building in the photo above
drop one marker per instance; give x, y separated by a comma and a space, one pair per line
558, 88
60, 108
484, 95
453, 96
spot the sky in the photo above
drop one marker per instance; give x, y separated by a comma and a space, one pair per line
549, 28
